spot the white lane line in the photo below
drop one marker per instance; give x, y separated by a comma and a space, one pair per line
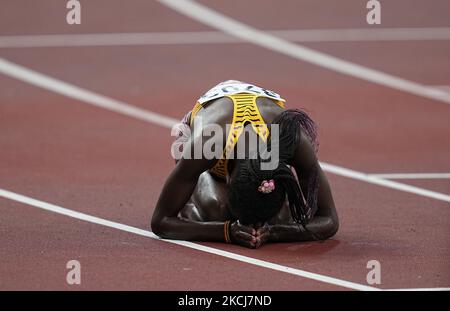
112, 39
38, 79
431, 289
249, 260
235, 28
363, 34
384, 182
413, 175
445, 88
57, 86
218, 37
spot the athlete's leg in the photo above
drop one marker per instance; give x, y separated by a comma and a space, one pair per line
208, 201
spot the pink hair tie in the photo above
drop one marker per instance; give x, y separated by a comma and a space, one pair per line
267, 186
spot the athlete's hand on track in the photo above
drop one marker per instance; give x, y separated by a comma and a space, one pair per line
251, 236
262, 234
243, 235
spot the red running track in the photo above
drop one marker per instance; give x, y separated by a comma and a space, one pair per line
62, 151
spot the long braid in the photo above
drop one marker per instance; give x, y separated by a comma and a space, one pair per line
292, 123
251, 204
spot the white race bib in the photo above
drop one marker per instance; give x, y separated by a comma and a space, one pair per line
231, 87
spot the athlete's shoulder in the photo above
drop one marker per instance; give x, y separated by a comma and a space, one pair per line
217, 111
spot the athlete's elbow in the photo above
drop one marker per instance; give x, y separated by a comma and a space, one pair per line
332, 227
163, 227
157, 226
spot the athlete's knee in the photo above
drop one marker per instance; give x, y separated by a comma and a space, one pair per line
213, 202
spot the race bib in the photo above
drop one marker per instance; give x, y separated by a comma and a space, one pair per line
231, 87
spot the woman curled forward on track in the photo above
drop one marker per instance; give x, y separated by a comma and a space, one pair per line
248, 194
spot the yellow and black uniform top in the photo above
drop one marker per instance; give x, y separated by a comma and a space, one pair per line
245, 111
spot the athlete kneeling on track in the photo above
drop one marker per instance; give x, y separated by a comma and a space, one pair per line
238, 197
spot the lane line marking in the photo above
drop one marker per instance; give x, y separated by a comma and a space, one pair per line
57, 86
434, 289
443, 87
363, 34
238, 29
218, 37
341, 171
413, 175
249, 260
119, 39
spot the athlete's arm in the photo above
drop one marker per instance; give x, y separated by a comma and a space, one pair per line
176, 192
325, 222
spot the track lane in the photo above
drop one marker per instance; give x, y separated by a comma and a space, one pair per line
315, 99
106, 202
354, 117
35, 259
49, 17
308, 14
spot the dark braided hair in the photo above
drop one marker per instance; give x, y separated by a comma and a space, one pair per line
252, 206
